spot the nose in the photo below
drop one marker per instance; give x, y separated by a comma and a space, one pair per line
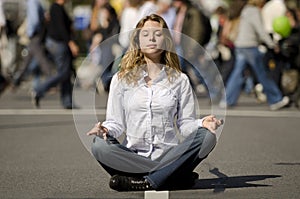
152, 37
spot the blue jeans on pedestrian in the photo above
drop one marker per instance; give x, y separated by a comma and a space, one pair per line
62, 57
177, 163
254, 58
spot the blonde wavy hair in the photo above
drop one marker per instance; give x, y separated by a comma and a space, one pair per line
133, 62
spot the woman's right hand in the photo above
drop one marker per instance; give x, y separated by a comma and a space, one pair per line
98, 130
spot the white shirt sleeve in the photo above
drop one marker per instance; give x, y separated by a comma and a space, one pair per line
115, 117
187, 122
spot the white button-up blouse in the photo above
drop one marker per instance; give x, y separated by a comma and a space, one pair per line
151, 115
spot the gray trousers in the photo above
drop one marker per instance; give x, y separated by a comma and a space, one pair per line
178, 162
36, 51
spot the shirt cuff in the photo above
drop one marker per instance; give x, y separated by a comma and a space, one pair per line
200, 122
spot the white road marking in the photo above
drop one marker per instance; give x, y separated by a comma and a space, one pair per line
239, 113
156, 194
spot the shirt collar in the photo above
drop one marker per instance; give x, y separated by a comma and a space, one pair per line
161, 76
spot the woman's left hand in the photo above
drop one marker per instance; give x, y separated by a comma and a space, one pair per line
211, 123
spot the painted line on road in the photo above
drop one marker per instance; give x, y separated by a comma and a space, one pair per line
156, 194
52, 112
239, 113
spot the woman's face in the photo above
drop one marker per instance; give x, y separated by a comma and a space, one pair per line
151, 38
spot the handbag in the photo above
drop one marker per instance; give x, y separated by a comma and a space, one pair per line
289, 80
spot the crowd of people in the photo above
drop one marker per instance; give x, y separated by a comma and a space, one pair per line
251, 56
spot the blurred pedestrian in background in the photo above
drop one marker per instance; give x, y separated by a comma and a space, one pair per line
128, 20
147, 7
3, 80
37, 56
270, 11
250, 34
62, 47
290, 54
228, 35
166, 10
191, 29
104, 24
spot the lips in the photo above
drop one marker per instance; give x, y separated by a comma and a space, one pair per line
151, 46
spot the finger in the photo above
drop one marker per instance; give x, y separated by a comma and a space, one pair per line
101, 131
212, 116
98, 124
91, 132
221, 121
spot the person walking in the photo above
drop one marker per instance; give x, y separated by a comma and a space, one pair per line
250, 33
147, 94
190, 34
63, 49
3, 81
104, 25
36, 31
128, 20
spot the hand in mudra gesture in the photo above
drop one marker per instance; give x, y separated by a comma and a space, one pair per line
98, 130
211, 123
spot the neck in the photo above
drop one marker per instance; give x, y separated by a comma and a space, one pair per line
153, 68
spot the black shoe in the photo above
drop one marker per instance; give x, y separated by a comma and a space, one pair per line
3, 84
194, 176
68, 107
71, 106
186, 182
124, 183
35, 100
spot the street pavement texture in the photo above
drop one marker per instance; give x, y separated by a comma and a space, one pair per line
42, 155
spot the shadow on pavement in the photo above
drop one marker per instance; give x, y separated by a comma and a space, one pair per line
225, 182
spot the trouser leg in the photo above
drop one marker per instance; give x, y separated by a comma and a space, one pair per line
63, 59
23, 69
118, 159
236, 79
184, 158
39, 53
272, 91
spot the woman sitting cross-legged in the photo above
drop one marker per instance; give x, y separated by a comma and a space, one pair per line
146, 96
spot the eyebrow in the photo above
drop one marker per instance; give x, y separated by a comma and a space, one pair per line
147, 30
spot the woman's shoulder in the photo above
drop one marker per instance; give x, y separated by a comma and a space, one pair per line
182, 78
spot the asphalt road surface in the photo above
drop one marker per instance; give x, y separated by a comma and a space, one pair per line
43, 156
